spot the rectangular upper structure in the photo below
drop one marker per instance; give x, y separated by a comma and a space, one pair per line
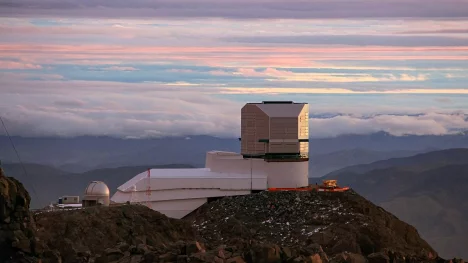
275, 130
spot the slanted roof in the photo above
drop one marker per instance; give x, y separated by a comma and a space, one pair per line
185, 173
281, 109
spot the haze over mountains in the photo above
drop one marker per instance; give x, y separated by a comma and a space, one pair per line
80, 154
426, 190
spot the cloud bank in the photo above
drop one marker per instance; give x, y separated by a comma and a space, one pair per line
359, 40
424, 124
145, 110
242, 9
70, 118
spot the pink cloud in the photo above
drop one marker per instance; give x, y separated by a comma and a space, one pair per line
233, 56
17, 65
180, 70
120, 68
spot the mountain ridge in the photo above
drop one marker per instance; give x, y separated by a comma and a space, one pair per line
422, 158
90, 152
431, 195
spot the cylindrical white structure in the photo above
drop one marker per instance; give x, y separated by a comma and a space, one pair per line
287, 174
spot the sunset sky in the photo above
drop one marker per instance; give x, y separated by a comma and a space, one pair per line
145, 68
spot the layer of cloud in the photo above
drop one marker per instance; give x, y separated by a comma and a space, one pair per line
65, 108
112, 119
69, 103
358, 40
241, 9
424, 124
115, 68
369, 90
57, 107
438, 31
5, 64
285, 75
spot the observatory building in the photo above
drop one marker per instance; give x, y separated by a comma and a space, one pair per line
274, 154
97, 193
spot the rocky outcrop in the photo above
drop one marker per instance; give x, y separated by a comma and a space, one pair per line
97, 230
339, 222
17, 239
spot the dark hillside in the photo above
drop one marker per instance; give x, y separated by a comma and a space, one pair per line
417, 163
432, 197
322, 164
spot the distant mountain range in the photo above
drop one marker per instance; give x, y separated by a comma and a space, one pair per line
82, 154
426, 190
86, 153
322, 164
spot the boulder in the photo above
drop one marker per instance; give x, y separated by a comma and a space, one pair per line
122, 246
355, 258
168, 257
314, 259
149, 257
194, 247
237, 259
203, 257
348, 258
52, 256
182, 259
264, 254
223, 254
131, 259
142, 249
345, 245
113, 254
378, 257
312, 249
339, 258
286, 252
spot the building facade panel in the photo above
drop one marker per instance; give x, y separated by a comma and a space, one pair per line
303, 127
254, 126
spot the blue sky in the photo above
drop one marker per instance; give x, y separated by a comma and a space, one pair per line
158, 68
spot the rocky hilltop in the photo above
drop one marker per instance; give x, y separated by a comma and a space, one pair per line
98, 231
338, 222
265, 227
17, 230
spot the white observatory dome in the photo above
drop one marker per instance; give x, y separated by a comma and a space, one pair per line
97, 188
